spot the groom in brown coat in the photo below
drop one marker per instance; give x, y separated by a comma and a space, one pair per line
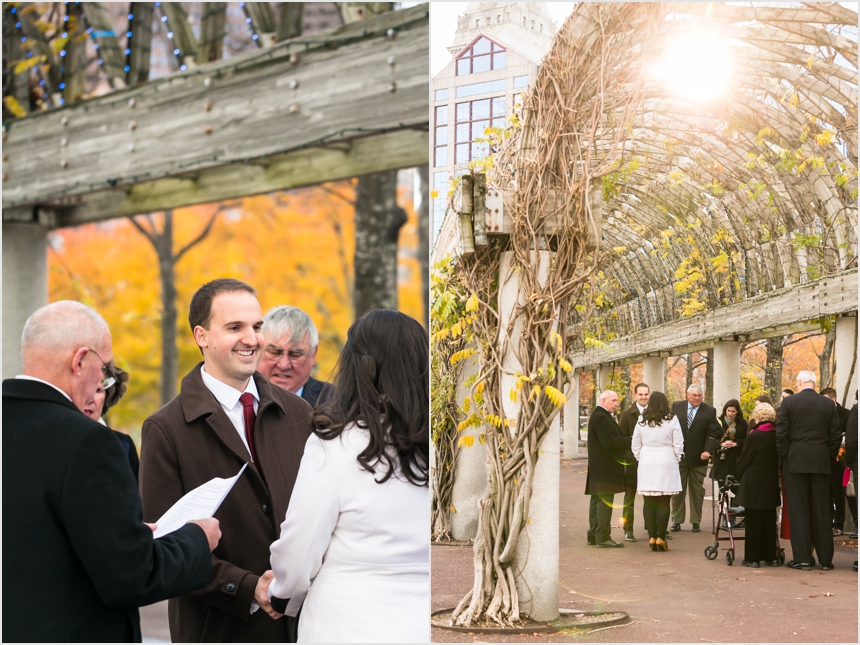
228, 415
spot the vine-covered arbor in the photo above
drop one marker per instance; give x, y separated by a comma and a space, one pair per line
682, 176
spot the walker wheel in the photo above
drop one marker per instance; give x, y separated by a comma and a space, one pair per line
711, 552
730, 557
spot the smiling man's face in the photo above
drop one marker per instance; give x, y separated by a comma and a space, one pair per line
232, 344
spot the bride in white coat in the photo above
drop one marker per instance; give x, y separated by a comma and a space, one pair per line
354, 551
658, 445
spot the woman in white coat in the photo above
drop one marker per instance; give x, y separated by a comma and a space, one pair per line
658, 445
354, 551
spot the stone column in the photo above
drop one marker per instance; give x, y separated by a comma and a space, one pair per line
470, 479
537, 549
571, 419
845, 348
25, 285
727, 372
654, 373
601, 378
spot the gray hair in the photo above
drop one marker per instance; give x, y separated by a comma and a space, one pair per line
695, 387
605, 394
292, 320
805, 376
63, 326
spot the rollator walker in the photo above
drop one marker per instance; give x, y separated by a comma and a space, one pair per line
728, 513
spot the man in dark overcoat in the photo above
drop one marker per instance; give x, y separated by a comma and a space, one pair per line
808, 437
701, 433
605, 477
837, 472
228, 415
77, 558
627, 421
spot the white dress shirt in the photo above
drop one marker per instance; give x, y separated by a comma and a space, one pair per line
228, 397
24, 377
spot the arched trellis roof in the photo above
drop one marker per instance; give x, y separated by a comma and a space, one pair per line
713, 202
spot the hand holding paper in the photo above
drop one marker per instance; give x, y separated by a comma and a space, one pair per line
198, 504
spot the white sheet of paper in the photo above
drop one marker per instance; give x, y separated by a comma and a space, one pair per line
198, 504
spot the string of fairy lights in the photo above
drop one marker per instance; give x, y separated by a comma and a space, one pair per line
285, 51
101, 38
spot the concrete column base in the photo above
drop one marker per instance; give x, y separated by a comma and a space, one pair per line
654, 373
571, 420
845, 348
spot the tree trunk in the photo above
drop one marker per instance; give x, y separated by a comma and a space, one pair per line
773, 368
689, 359
825, 365
169, 352
424, 241
378, 220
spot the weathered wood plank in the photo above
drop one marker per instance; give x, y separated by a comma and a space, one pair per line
212, 31
107, 50
291, 19
141, 42
754, 318
390, 151
301, 94
183, 36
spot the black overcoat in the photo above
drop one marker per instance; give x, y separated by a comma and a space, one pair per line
316, 392
808, 434
606, 448
851, 440
759, 471
702, 436
77, 558
626, 423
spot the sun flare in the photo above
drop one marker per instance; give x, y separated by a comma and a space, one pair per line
696, 68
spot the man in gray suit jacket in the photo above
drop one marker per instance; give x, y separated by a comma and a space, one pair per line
701, 432
808, 436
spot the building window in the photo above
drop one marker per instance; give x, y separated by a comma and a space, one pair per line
482, 56
478, 22
440, 137
440, 202
442, 95
473, 117
498, 20
520, 81
465, 91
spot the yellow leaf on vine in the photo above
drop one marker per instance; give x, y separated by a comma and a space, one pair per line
555, 395
456, 357
467, 441
480, 387
535, 392
514, 396
472, 303
563, 364
453, 510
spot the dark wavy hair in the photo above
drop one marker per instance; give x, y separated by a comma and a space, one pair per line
732, 403
382, 385
658, 410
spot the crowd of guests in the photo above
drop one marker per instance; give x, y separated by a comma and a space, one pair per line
327, 524
800, 457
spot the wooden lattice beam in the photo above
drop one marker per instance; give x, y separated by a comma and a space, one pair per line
212, 31
140, 27
304, 111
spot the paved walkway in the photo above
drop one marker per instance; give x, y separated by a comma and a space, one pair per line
678, 596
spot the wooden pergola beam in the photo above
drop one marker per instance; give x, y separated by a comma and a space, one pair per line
792, 308
359, 82
396, 149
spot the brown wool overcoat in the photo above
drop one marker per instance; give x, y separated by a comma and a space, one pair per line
188, 442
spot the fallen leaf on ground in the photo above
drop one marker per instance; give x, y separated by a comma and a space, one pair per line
654, 620
812, 595
744, 579
828, 594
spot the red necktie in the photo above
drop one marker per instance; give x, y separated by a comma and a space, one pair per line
250, 417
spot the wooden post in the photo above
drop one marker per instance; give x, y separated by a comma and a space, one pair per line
291, 20
212, 31
108, 48
141, 42
183, 36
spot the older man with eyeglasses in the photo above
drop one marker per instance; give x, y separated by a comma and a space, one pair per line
290, 352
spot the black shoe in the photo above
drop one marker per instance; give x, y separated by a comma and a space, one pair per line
855, 565
696, 528
773, 563
791, 562
610, 544
590, 541
675, 527
803, 566
628, 537
853, 536
827, 567
669, 537
751, 565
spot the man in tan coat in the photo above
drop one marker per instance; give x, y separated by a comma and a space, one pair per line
228, 415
